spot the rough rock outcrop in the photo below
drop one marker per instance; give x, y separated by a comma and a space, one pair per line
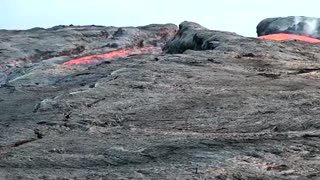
39, 44
247, 109
38, 49
301, 25
196, 37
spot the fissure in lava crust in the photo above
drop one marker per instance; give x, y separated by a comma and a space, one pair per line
118, 53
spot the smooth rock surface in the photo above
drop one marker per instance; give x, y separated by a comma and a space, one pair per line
247, 109
196, 37
308, 26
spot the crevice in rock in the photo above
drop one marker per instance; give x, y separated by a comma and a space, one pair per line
305, 71
95, 102
270, 75
22, 142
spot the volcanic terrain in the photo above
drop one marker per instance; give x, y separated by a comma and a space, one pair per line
157, 102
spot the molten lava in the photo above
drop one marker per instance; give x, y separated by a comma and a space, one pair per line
284, 36
108, 55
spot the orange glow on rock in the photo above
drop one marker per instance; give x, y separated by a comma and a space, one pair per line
284, 36
118, 53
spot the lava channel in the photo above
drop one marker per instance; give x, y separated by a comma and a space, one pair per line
284, 36
117, 53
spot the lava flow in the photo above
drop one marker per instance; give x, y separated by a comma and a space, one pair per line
118, 53
284, 36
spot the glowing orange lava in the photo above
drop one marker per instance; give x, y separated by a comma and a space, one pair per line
118, 53
284, 36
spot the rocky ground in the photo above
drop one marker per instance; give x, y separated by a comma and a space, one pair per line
212, 105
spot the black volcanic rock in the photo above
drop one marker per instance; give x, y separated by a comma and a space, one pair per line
301, 25
28, 54
196, 37
246, 109
39, 44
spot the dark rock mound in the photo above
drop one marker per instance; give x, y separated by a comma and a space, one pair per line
302, 25
196, 37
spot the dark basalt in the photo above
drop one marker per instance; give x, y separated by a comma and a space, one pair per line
307, 26
196, 37
215, 106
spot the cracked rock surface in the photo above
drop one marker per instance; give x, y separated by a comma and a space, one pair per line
241, 109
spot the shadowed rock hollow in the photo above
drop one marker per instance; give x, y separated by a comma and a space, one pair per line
212, 105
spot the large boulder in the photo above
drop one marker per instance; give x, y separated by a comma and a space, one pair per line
192, 36
301, 25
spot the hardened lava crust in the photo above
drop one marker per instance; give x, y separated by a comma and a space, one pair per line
172, 103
